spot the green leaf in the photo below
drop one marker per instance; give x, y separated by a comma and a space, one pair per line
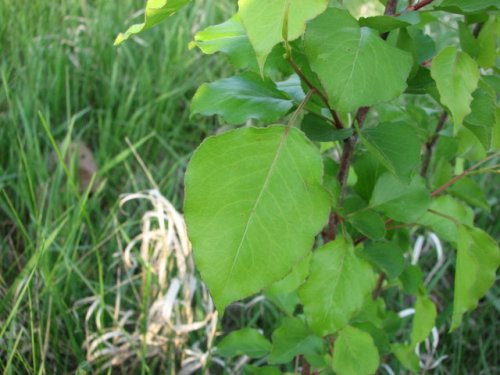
383, 24
241, 97
356, 67
246, 341
283, 293
368, 169
443, 227
469, 191
468, 41
457, 76
482, 116
469, 6
229, 38
291, 339
424, 319
477, 261
387, 256
336, 287
487, 39
293, 87
495, 133
412, 279
253, 205
400, 201
369, 223
378, 335
156, 11
470, 146
421, 83
406, 355
355, 353
266, 21
396, 145
317, 129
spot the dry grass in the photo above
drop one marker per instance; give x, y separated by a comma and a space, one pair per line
156, 273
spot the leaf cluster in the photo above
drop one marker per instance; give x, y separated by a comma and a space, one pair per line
358, 131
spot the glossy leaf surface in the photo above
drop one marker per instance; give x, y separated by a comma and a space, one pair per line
241, 97
254, 203
356, 67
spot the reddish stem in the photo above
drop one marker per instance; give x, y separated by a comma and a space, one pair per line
431, 143
420, 5
378, 287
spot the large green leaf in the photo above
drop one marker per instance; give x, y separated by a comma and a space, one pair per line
396, 145
155, 12
424, 319
400, 201
246, 341
477, 261
355, 353
254, 203
291, 339
336, 287
469, 6
457, 76
356, 67
266, 21
241, 97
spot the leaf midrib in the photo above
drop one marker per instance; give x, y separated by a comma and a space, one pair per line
283, 139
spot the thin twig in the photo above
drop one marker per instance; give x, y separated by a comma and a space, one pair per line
431, 143
420, 5
300, 108
345, 164
451, 218
348, 153
336, 119
465, 173
391, 7
378, 287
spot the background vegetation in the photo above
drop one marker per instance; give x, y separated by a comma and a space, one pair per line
62, 83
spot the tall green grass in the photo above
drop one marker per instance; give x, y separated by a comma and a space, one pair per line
63, 82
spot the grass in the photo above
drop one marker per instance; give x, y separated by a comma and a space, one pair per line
62, 84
